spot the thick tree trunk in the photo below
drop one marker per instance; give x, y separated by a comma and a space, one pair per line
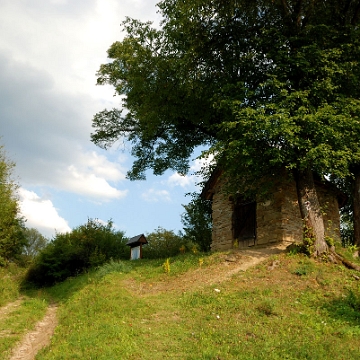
310, 210
356, 206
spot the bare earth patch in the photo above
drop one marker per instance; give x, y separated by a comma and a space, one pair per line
9, 308
38, 338
232, 263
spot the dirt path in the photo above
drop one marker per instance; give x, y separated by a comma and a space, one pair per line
34, 340
245, 259
9, 308
232, 263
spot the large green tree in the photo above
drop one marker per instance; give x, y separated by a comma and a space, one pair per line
35, 242
197, 222
12, 240
267, 84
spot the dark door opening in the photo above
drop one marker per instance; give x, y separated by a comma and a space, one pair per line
244, 223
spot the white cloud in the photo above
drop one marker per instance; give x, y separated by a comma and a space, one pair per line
153, 195
89, 175
89, 184
102, 166
76, 37
41, 214
187, 181
198, 164
181, 180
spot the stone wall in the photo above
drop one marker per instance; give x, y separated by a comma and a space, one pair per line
330, 208
222, 209
278, 218
268, 220
291, 222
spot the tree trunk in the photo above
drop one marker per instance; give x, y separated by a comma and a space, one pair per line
356, 206
310, 210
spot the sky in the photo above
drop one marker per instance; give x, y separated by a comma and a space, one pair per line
50, 51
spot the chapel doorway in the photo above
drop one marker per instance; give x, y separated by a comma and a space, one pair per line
244, 223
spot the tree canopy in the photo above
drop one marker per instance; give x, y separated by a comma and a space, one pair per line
35, 242
11, 222
267, 84
197, 222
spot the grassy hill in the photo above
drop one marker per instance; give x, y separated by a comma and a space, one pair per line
205, 307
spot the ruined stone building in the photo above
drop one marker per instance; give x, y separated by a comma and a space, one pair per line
244, 223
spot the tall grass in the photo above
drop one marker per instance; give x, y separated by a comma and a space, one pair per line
10, 279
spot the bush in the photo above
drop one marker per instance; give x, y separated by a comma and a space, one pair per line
164, 244
69, 254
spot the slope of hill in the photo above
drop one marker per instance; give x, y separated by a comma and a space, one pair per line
208, 307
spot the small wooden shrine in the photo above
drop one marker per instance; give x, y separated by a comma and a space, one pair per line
136, 244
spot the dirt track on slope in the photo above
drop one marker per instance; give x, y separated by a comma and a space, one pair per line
232, 263
36, 339
8, 308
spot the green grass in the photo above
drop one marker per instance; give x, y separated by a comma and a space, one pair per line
300, 310
134, 310
22, 319
10, 278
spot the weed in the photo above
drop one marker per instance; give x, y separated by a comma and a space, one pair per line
166, 266
266, 308
304, 268
352, 248
353, 300
308, 238
295, 249
330, 241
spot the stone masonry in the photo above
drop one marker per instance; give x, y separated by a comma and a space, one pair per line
278, 219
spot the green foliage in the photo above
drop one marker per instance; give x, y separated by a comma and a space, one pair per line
305, 267
164, 244
353, 301
352, 248
272, 82
347, 232
330, 241
85, 247
268, 84
197, 222
10, 280
345, 185
12, 240
35, 242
